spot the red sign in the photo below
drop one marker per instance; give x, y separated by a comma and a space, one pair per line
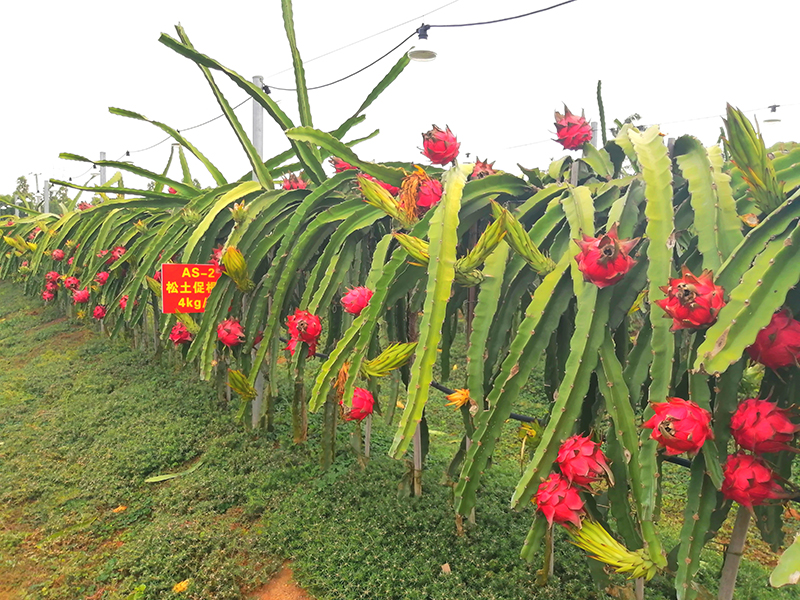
185, 288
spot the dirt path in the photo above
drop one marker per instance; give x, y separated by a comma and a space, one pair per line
281, 587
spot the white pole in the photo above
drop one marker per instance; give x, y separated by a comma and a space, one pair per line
46, 196
102, 170
258, 122
597, 141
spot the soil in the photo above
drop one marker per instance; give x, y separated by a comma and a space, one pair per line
281, 587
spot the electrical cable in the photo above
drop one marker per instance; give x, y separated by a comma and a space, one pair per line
534, 12
318, 87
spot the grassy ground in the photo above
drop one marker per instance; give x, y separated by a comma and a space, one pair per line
85, 420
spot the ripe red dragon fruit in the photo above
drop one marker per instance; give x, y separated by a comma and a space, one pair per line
172, 190
430, 192
604, 261
180, 335
559, 501
80, 296
481, 169
680, 426
83, 205
303, 327
761, 426
57, 255
293, 182
71, 283
51, 286
692, 301
749, 481
47, 296
778, 344
356, 300
441, 147
116, 254
230, 333
70, 260
123, 302
101, 277
361, 405
572, 131
339, 165
99, 312
32, 235
582, 461
51, 276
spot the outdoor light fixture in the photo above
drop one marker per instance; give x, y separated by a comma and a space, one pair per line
422, 52
773, 108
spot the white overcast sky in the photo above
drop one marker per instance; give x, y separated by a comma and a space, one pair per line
675, 62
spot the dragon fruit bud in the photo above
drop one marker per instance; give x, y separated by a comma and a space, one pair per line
339, 165
604, 261
57, 254
180, 335
356, 300
230, 333
559, 501
481, 169
441, 147
778, 344
362, 404
761, 426
572, 131
430, 192
393, 190
582, 461
80, 296
692, 301
749, 481
293, 182
680, 426
99, 312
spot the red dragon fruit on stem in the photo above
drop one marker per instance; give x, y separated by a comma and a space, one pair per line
778, 344
680, 426
761, 426
293, 182
172, 190
101, 277
51, 276
339, 165
572, 131
57, 255
481, 169
71, 283
47, 295
441, 147
430, 192
361, 405
604, 261
99, 312
582, 461
692, 301
51, 286
559, 501
180, 335
356, 300
80, 296
230, 333
303, 327
749, 481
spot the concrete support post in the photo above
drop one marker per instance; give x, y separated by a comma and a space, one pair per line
258, 122
102, 170
46, 196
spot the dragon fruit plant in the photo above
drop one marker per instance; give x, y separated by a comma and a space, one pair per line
549, 272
